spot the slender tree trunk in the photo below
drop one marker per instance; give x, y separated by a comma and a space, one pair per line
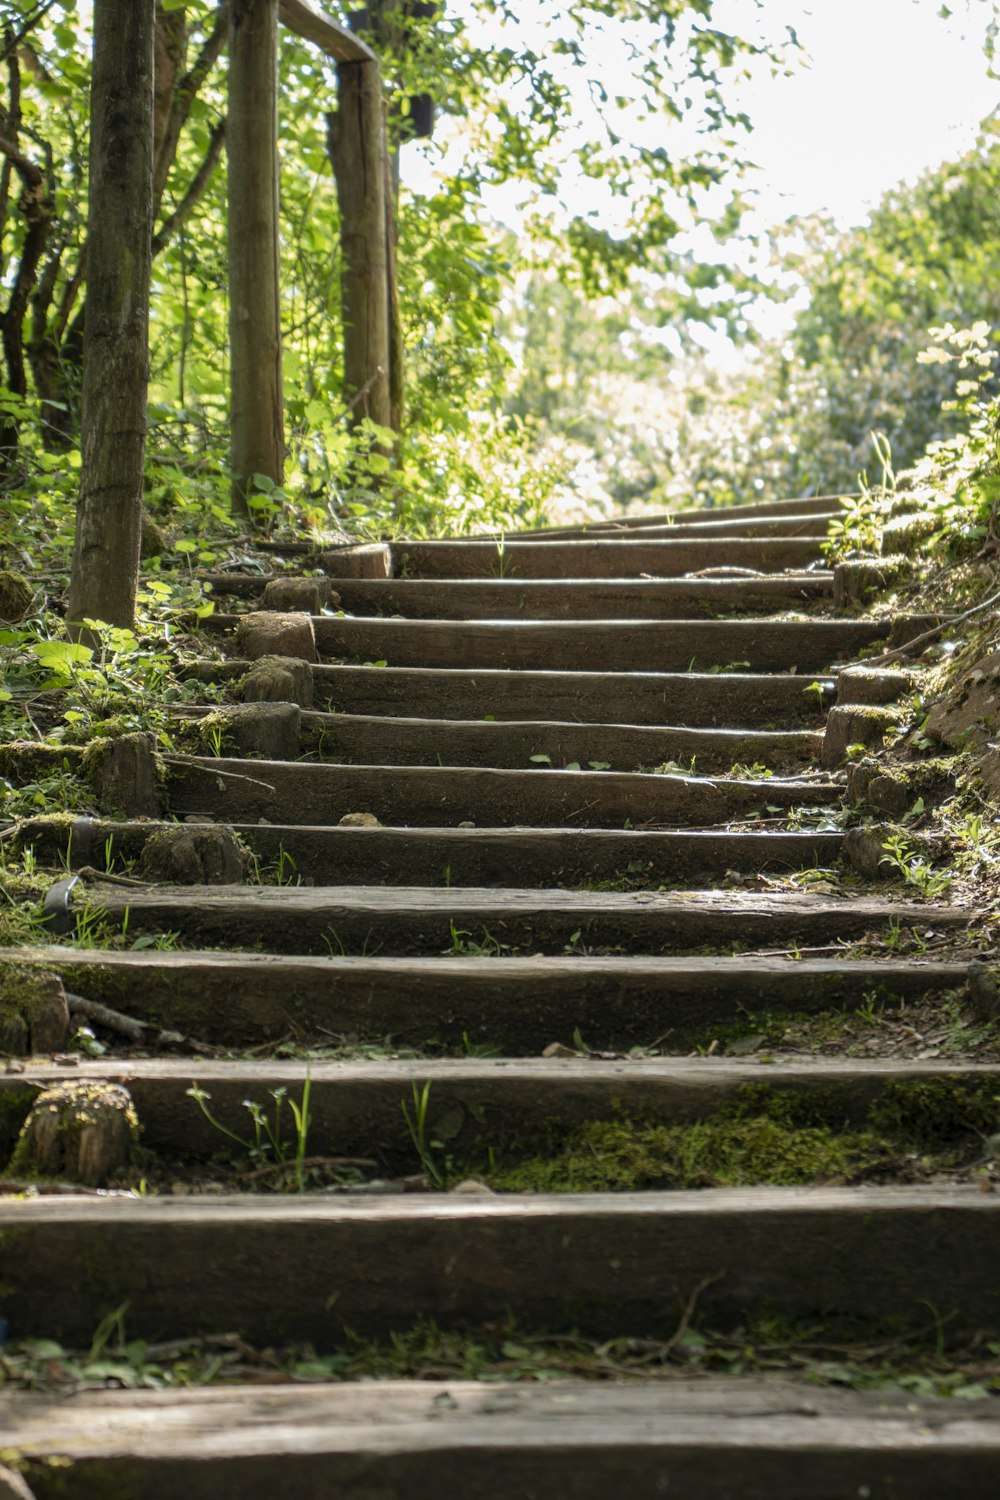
116, 337
357, 150
257, 408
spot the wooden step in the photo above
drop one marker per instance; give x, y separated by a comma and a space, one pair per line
475, 1106
714, 1438
462, 856
824, 505
592, 599
415, 919
519, 1005
601, 646
288, 791
517, 745
695, 699
708, 524
602, 1264
598, 558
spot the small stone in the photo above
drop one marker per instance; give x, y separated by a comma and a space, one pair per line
279, 679
360, 820
82, 1131
470, 1187
466, 824
198, 855
270, 633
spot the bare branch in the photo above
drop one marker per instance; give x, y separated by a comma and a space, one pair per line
199, 182
184, 96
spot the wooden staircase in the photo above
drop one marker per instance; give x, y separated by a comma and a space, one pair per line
582, 773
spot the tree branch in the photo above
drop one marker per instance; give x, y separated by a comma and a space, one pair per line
185, 95
196, 187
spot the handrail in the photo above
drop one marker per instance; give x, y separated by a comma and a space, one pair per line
313, 25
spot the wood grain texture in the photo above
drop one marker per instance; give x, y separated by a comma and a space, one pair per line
605, 1264
519, 1005
712, 1438
597, 559
371, 740
283, 792
804, 646
475, 1105
728, 699
401, 919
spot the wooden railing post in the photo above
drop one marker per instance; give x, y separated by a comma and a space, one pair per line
358, 152
256, 400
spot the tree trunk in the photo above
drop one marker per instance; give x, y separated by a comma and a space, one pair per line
256, 404
357, 150
116, 337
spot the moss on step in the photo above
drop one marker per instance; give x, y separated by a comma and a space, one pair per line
767, 1135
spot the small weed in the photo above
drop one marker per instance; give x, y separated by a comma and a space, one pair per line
464, 945
418, 1126
268, 1146
915, 870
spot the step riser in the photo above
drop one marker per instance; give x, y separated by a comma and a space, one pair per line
283, 792
650, 646
397, 856
473, 1108
383, 741
827, 506
602, 1266
324, 927
689, 699
597, 559
666, 600
518, 1006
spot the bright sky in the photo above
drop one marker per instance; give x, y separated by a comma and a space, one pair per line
890, 88
887, 87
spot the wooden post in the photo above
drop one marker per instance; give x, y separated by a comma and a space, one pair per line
256, 401
105, 568
357, 150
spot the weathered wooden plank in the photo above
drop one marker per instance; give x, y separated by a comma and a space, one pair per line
519, 1005
280, 791
597, 559
711, 1438
601, 646
605, 1264
371, 740
541, 599
626, 598
475, 1104
409, 919
825, 505
308, 21
694, 699
464, 856
708, 524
